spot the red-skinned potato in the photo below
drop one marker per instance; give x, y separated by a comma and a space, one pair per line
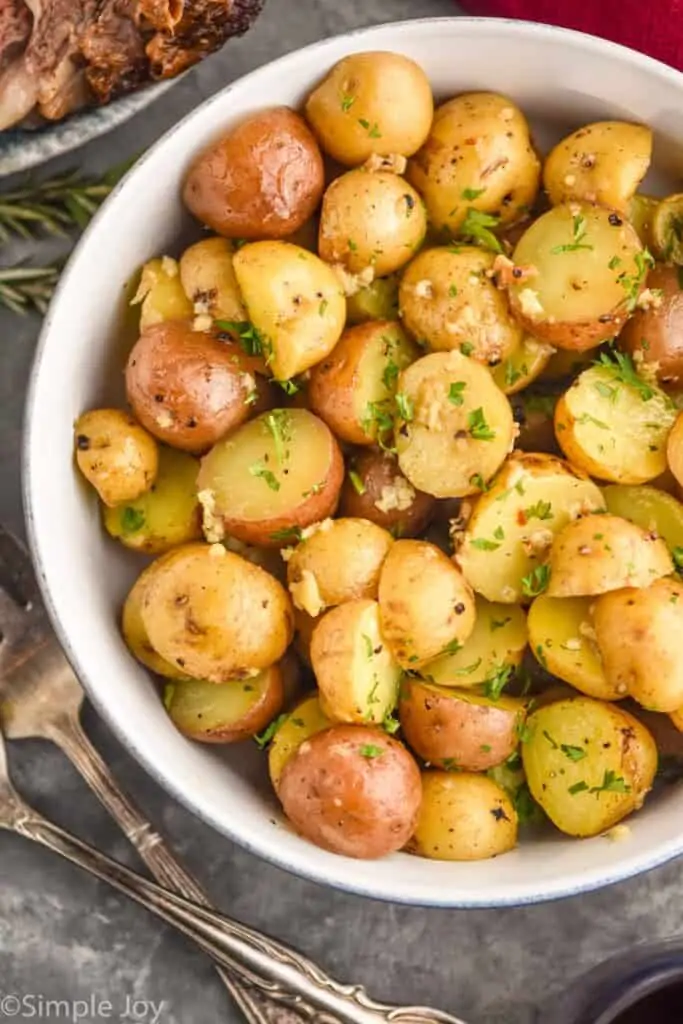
189, 388
224, 712
376, 489
263, 179
353, 790
654, 335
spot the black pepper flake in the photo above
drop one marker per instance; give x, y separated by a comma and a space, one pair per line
158, 398
516, 271
459, 608
606, 318
499, 814
191, 422
507, 199
83, 442
615, 220
410, 202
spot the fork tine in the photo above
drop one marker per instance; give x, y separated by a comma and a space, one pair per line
16, 571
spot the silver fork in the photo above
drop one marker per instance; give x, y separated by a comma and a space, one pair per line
271, 966
41, 698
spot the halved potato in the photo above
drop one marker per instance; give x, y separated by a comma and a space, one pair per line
270, 478
667, 229
425, 603
498, 641
613, 424
589, 269
522, 365
115, 454
598, 553
505, 543
160, 293
588, 764
602, 163
641, 211
294, 301
455, 428
651, 509
353, 665
653, 337
457, 728
638, 632
304, 721
224, 712
208, 279
135, 633
562, 638
352, 390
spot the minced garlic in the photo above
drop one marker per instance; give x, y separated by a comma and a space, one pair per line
212, 525
306, 594
396, 496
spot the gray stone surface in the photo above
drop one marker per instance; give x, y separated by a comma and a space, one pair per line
63, 936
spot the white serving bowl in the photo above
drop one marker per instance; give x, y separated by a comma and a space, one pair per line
560, 79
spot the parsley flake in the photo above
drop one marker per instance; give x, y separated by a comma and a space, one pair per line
260, 469
537, 581
455, 392
369, 750
262, 739
476, 227
131, 519
478, 427
357, 483
541, 510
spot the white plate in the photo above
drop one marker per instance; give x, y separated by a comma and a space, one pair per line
561, 79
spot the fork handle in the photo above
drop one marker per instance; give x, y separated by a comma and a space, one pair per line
69, 735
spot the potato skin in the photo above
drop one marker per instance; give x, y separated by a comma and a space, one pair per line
463, 817
224, 712
115, 455
359, 806
305, 720
188, 388
135, 633
160, 293
458, 729
263, 179
656, 333
388, 498
209, 281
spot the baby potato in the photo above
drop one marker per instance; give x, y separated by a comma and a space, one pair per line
115, 454
598, 553
294, 300
371, 221
456, 427
562, 638
271, 478
376, 489
638, 634
505, 542
187, 387
209, 281
457, 728
304, 721
601, 163
376, 301
496, 644
586, 268
215, 615
613, 424
425, 603
339, 563
463, 817
167, 514
667, 236
160, 293
354, 668
262, 179
522, 365
649, 508
449, 301
353, 790
654, 335
479, 158
588, 764
674, 449
224, 712
352, 389
371, 103
134, 631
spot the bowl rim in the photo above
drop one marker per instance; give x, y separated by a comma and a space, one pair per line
586, 880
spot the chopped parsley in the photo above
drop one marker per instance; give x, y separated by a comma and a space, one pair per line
452, 292
323, 307
586, 417
369, 750
612, 783
369, 651
496, 681
390, 724
482, 544
467, 348
352, 245
478, 427
404, 406
278, 424
262, 739
358, 485
541, 510
499, 623
260, 469
477, 480
614, 262
472, 193
573, 753
290, 387
390, 375
631, 282
290, 534
622, 369
347, 101
476, 227
608, 391
455, 392
468, 669
578, 236
578, 787
452, 648
551, 741
372, 129
313, 489
251, 340
677, 555
131, 519
536, 581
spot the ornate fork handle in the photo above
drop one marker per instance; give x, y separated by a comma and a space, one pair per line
271, 966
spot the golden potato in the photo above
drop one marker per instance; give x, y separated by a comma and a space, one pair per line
271, 478
376, 489
371, 103
522, 365
478, 159
376, 301
425, 603
215, 615
262, 179
649, 508
353, 665
463, 817
456, 427
601, 163
451, 728
653, 337
304, 625
294, 301
337, 564
614, 424
164, 516
641, 211
371, 223
585, 271
160, 293
637, 633
448, 300
224, 712
504, 545
209, 281
115, 455
598, 553
674, 449
667, 233
134, 631
353, 388
588, 764
304, 721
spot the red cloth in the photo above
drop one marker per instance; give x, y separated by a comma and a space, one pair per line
654, 27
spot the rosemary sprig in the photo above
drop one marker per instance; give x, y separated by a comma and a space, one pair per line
25, 288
